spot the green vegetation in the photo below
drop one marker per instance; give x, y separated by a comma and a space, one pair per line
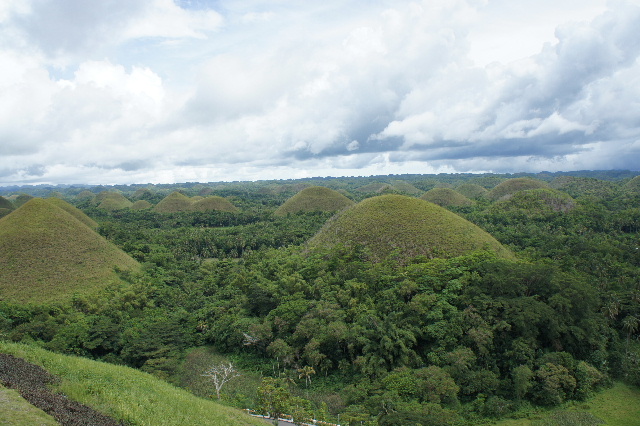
377, 319
46, 254
511, 186
114, 201
404, 227
141, 205
73, 211
174, 203
446, 197
5, 204
15, 411
315, 198
126, 394
532, 203
212, 202
472, 190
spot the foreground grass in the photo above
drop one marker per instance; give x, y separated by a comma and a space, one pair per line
16, 411
617, 406
127, 394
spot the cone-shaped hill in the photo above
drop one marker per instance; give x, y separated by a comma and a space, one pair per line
409, 225
213, 202
633, 185
511, 186
114, 201
472, 190
5, 204
446, 197
174, 203
46, 254
141, 205
582, 186
315, 198
535, 203
75, 212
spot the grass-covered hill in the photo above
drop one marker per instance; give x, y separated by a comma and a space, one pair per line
46, 254
5, 204
633, 185
584, 186
412, 226
74, 211
174, 203
315, 198
446, 197
405, 187
114, 201
213, 202
126, 395
535, 203
141, 205
511, 186
472, 190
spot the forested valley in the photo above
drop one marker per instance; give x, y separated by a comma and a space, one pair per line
345, 334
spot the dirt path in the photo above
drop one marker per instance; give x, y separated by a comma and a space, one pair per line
32, 382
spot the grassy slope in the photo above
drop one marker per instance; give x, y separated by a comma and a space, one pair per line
410, 225
75, 212
315, 198
46, 254
114, 201
127, 394
535, 202
472, 190
511, 186
16, 411
446, 197
213, 202
173, 203
617, 406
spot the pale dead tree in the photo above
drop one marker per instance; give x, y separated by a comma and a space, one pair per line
221, 374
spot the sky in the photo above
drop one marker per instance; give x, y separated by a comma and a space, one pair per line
166, 91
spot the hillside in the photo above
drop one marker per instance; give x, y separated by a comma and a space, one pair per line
114, 201
46, 254
412, 226
472, 190
511, 186
73, 211
535, 203
125, 394
173, 203
315, 198
446, 197
212, 202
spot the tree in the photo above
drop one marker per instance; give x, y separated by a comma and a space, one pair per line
220, 374
274, 398
306, 372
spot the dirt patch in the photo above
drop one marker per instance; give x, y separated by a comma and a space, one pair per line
33, 381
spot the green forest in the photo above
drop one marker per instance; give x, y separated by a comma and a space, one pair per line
453, 299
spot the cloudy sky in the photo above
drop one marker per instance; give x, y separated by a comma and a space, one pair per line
161, 91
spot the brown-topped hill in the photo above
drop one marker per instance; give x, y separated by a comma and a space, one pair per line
446, 197
46, 254
315, 198
408, 225
511, 186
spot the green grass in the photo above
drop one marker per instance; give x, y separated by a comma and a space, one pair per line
114, 201
405, 187
511, 186
315, 198
16, 411
47, 255
213, 202
535, 203
616, 406
472, 190
141, 205
5, 204
446, 197
75, 212
127, 394
413, 227
174, 203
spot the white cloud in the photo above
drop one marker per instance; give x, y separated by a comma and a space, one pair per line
160, 90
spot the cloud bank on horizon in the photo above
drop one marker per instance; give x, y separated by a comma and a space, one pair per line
136, 91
